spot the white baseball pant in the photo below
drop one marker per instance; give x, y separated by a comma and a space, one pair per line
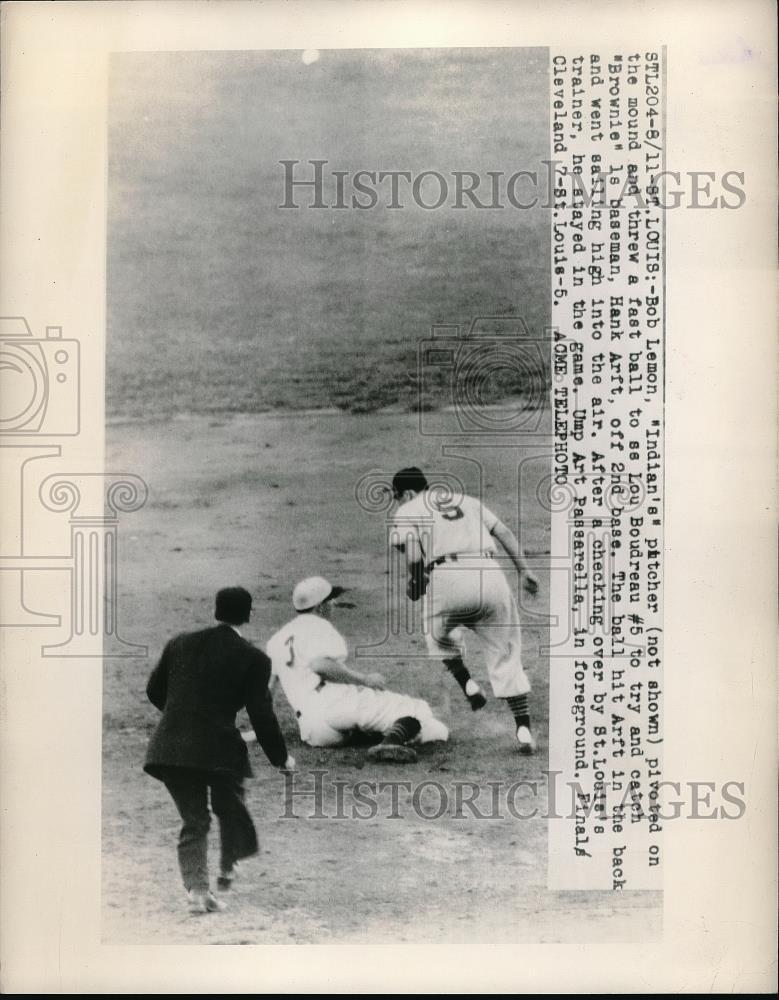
474, 593
335, 710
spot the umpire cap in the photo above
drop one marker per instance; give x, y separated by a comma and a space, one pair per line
233, 606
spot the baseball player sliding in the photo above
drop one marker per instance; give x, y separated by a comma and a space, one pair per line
333, 701
451, 558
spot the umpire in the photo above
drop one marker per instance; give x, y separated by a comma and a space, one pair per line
201, 681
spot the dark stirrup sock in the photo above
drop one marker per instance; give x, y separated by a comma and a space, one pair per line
519, 709
402, 731
458, 670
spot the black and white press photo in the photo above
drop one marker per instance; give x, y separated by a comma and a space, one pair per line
329, 358
388, 539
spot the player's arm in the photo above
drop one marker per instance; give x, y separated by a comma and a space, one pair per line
407, 541
337, 671
415, 564
510, 544
413, 552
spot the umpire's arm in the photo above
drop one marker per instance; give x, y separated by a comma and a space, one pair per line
157, 686
259, 707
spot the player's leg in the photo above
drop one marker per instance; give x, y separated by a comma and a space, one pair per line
390, 715
394, 746
330, 719
432, 729
457, 668
325, 718
501, 637
387, 712
319, 733
444, 632
394, 716
237, 834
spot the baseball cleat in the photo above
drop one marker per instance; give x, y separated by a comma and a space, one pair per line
526, 741
475, 695
203, 902
394, 753
434, 731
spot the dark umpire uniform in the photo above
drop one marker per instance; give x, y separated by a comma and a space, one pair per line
201, 681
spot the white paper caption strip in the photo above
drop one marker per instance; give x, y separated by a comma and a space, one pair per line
605, 757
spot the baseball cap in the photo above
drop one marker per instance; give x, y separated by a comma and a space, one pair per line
312, 591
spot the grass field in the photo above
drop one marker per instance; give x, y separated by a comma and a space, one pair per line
219, 300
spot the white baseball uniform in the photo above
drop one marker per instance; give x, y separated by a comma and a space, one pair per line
467, 588
328, 712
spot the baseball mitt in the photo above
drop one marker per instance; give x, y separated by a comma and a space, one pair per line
417, 582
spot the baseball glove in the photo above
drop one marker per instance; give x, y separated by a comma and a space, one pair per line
417, 582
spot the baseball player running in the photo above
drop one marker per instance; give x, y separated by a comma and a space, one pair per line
451, 551
333, 701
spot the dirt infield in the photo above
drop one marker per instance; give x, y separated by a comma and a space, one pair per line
263, 500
